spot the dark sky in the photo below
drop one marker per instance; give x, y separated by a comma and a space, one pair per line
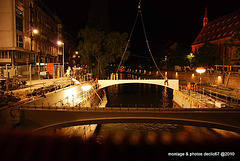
178, 20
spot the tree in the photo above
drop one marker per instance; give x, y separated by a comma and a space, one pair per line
234, 42
100, 49
207, 55
190, 58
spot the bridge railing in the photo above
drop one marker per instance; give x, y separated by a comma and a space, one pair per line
229, 99
125, 109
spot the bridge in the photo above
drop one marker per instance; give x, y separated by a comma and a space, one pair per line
172, 83
47, 118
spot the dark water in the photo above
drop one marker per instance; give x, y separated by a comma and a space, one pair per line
139, 95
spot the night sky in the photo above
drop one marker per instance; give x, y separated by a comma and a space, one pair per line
178, 20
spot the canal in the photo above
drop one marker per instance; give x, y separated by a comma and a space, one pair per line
144, 96
139, 95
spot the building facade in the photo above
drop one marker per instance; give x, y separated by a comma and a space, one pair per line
29, 32
218, 32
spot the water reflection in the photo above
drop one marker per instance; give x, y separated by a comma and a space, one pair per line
143, 128
165, 99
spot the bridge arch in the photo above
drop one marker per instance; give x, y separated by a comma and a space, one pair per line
190, 122
172, 83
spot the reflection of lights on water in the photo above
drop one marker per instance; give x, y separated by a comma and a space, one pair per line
165, 97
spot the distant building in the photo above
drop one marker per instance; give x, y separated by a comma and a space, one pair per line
218, 32
28, 33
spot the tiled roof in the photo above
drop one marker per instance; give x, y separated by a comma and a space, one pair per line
219, 28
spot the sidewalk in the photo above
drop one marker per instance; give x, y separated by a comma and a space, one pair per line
43, 84
218, 90
228, 93
204, 99
223, 94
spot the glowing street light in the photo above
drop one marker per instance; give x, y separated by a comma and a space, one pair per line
200, 70
35, 31
60, 43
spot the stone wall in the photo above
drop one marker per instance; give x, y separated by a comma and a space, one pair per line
206, 78
193, 77
184, 101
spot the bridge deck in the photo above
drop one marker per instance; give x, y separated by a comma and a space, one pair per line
172, 83
45, 118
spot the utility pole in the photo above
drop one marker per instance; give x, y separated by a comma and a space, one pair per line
223, 68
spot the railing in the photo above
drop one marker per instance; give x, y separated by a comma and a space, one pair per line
126, 109
231, 101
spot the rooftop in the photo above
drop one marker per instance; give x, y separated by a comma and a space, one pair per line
222, 27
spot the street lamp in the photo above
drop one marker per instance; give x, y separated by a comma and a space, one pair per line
35, 31
37, 56
200, 70
60, 43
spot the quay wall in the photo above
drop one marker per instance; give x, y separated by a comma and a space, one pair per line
214, 78
184, 101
